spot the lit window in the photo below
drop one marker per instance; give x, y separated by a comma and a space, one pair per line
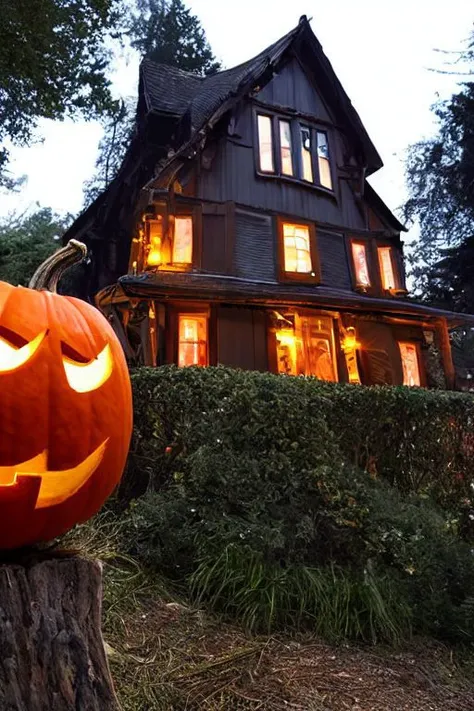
361, 267
386, 267
285, 146
304, 346
155, 240
183, 240
411, 370
296, 242
323, 160
265, 144
306, 154
192, 346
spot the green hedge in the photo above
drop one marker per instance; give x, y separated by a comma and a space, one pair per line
288, 501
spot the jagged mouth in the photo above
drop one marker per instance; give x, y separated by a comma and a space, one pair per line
55, 486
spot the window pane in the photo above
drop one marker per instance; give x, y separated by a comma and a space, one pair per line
306, 154
285, 144
286, 351
265, 143
297, 248
183, 240
361, 267
323, 160
155, 237
411, 371
386, 267
192, 346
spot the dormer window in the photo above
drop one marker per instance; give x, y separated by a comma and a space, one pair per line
290, 149
265, 144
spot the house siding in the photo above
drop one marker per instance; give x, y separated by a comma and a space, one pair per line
254, 246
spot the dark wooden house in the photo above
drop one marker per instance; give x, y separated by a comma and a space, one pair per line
241, 230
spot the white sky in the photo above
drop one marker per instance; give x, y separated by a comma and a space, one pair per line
381, 51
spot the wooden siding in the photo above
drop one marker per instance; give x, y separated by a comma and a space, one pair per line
291, 87
214, 247
232, 176
242, 338
254, 247
335, 270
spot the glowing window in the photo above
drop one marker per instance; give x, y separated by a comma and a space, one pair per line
323, 160
386, 267
265, 144
305, 346
306, 154
183, 240
361, 267
192, 343
296, 242
411, 369
155, 241
285, 147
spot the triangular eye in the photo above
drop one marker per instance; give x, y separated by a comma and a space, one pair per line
71, 354
84, 377
12, 338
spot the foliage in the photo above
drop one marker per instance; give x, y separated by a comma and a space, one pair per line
26, 241
440, 176
257, 499
53, 62
166, 32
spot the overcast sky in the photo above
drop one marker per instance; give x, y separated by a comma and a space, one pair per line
381, 51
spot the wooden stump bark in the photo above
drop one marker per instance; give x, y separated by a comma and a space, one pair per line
52, 655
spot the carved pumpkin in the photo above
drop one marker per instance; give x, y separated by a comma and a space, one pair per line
65, 407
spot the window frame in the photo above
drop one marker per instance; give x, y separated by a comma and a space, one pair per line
421, 370
168, 214
304, 277
296, 124
357, 286
397, 275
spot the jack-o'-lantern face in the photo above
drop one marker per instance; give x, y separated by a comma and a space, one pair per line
65, 413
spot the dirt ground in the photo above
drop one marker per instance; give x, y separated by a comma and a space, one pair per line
167, 656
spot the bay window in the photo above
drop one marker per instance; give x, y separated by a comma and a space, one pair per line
265, 143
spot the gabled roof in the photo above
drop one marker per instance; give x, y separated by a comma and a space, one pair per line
203, 101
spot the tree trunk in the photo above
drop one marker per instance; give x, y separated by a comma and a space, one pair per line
52, 655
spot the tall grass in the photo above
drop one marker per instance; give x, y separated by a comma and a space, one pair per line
337, 604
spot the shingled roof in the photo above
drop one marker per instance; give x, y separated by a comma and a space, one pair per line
201, 102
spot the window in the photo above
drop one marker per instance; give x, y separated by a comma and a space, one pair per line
306, 157
290, 149
285, 148
297, 248
361, 266
265, 144
411, 369
386, 267
305, 346
183, 240
169, 241
324, 166
192, 340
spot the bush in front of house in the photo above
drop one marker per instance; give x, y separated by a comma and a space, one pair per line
257, 500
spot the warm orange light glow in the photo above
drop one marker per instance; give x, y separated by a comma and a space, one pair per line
349, 346
12, 358
286, 351
411, 369
386, 267
183, 240
296, 242
350, 341
361, 267
85, 377
55, 486
192, 347
265, 143
155, 238
285, 147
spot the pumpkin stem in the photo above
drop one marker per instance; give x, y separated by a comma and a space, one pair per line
50, 272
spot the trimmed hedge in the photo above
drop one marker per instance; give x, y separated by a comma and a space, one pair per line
289, 501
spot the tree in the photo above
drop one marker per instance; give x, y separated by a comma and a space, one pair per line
53, 62
166, 32
440, 177
25, 243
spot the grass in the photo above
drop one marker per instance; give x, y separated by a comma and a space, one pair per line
166, 654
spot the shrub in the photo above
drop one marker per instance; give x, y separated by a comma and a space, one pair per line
257, 500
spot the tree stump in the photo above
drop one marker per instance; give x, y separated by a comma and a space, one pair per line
52, 655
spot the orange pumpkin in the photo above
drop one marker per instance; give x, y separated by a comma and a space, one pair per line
65, 408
